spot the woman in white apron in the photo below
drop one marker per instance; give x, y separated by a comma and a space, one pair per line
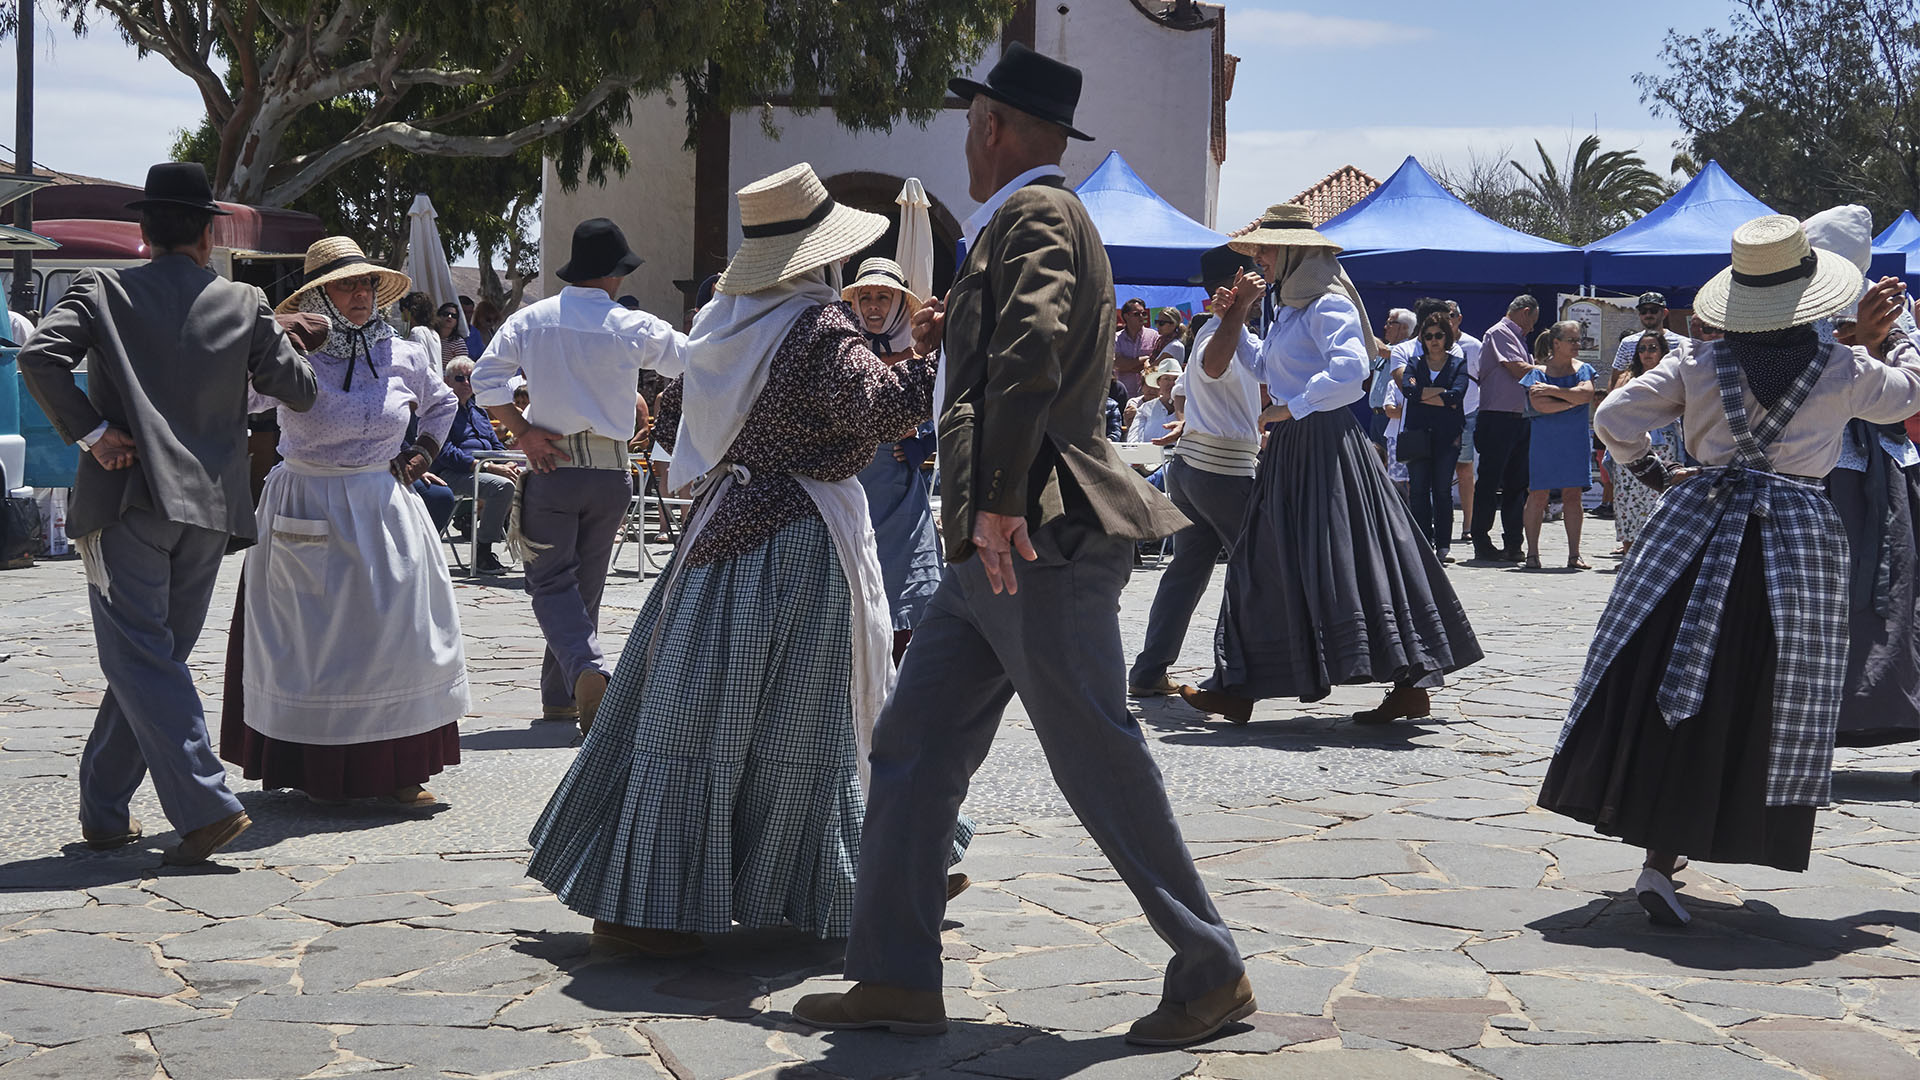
355, 678
721, 783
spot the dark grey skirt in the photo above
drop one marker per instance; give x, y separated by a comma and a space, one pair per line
1881, 507
1331, 583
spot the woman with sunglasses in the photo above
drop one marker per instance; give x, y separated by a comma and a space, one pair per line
1435, 417
354, 675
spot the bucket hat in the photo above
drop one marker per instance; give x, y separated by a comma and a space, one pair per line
599, 251
1777, 280
789, 225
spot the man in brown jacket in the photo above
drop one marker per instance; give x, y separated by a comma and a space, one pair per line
1026, 471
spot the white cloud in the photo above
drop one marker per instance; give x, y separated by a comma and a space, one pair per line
1249, 27
1267, 166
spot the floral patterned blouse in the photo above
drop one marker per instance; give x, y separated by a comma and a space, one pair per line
828, 402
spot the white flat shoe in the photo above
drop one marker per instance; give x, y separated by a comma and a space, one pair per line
1656, 895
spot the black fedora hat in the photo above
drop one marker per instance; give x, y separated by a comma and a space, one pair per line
178, 183
1036, 84
1219, 265
599, 250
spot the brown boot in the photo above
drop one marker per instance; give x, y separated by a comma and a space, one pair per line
588, 689
957, 884
660, 944
1401, 701
107, 839
1177, 1023
1237, 709
197, 845
870, 1005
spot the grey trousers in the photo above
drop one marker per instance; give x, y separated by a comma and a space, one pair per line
160, 581
1215, 504
1057, 644
577, 512
496, 500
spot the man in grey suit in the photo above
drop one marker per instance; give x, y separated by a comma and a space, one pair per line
161, 495
1026, 470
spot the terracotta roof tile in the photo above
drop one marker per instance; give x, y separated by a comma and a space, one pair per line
1339, 190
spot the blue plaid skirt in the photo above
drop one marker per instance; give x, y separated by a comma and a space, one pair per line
718, 784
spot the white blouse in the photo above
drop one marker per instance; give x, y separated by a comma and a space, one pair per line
1314, 359
1853, 384
365, 425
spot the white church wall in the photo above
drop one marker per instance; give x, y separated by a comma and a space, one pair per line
652, 204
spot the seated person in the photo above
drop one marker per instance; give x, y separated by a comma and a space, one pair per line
472, 433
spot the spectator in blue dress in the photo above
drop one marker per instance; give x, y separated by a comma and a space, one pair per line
472, 434
1559, 394
1435, 385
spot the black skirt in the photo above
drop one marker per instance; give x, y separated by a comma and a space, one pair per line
1699, 789
1332, 582
1882, 705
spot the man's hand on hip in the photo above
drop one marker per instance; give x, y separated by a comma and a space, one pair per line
114, 450
998, 536
542, 448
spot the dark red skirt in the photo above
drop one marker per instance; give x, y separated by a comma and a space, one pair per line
359, 770
1699, 789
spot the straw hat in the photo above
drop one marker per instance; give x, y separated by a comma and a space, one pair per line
887, 274
337, 257
1777, 280
1283, 225
791, 225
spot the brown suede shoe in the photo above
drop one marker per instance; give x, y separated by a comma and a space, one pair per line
1237, 709
869, 1005
107, 839
1177, 1023
1164, 688
568, 713
661, 944
197, 845
588, 689
1401, 701
957, 884
413, 797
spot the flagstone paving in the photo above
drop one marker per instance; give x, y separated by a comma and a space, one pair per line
1406, 911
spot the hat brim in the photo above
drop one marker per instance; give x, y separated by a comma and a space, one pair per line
1746, 309
393, 285
628, 264
1251, 242
763, 262
191, 204
966, 89
914, 301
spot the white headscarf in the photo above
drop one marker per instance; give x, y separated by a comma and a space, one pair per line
1307, 273
729, 352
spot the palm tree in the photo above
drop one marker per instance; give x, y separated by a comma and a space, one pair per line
1596, 195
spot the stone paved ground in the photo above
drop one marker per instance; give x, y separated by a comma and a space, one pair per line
1407, 914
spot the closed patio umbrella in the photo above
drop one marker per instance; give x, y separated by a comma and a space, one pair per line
427, 258
914, 249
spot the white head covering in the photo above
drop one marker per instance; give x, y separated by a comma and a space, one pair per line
1848, 231
729, 353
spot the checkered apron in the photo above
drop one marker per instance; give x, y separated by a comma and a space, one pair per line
1804, 548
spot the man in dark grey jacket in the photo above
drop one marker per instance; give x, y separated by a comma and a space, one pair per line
161, 495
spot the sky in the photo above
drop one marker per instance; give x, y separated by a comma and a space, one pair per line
1438, 80
1441, 81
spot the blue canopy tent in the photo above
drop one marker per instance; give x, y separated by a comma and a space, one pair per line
1412, 237
1149, 242
1680, 243
1412, 230
1689, 238
1902, 235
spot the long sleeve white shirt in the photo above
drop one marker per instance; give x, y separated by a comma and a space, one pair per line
582, 355
1314, 359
